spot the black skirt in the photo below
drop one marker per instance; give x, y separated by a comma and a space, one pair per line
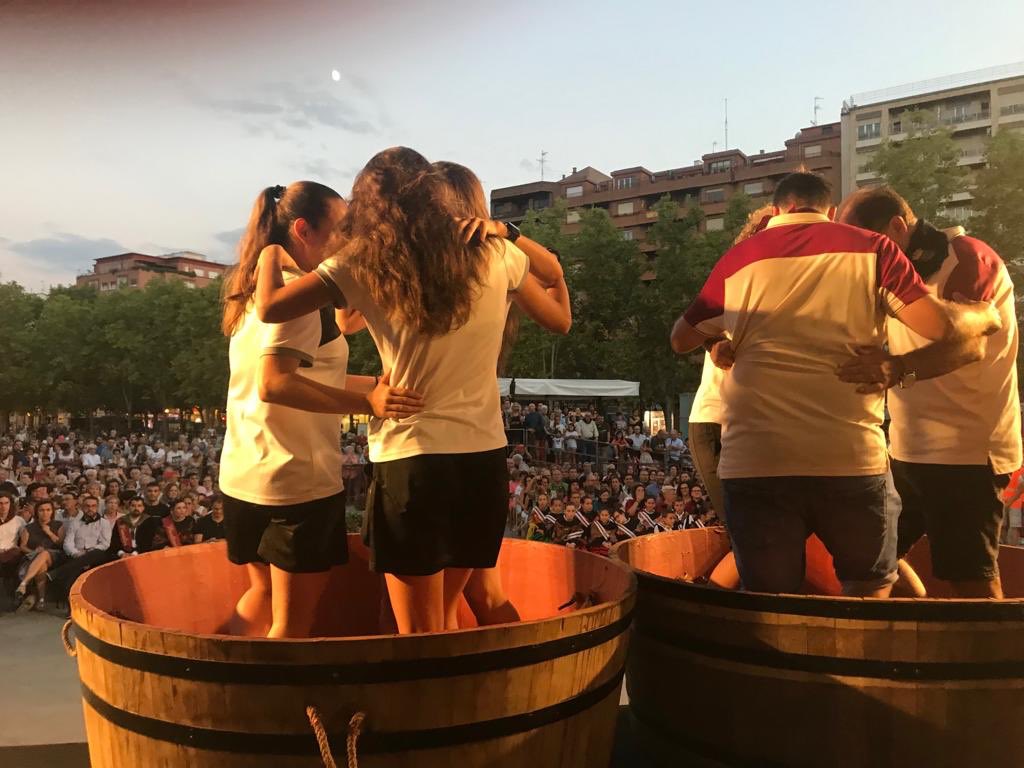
434, 511
299, 538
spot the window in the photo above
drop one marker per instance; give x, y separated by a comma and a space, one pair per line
122, 281
714, 195
200, 273
189, 284
869, 130
576, 191
754, 188
720, 166
627, 234
715, 224
897, 126
624, 182
813, 151
572, 217
624, 209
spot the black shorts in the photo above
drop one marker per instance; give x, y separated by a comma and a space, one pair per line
960, 507
435, 511
299, 538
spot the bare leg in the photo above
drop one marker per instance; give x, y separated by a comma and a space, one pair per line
417, 602
909, 583
295, 597
35, 568
454, 583
487, 599
853, 590
252, 613
978, 588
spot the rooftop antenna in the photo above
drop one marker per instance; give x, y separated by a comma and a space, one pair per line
542, 160
726, 123
714, 147
817, 109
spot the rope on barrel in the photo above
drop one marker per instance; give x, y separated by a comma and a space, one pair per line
355, 729
321, 737
68, 647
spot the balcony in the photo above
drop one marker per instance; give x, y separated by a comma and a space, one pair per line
873, 141
1012, 109
866, 175
973, 156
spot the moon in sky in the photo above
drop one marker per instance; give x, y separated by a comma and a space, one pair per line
335, 75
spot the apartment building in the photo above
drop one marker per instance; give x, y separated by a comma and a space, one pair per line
973, 105
135, 270
630, 194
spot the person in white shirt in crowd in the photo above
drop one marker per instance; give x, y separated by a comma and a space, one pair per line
90, 459
11, 524
956, 427
588, 432
156, 455
86, 543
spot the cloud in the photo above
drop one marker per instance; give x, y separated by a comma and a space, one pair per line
294, 105
321, 169
229, 237
66, 251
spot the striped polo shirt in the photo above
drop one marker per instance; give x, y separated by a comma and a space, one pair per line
796, 299
972, 415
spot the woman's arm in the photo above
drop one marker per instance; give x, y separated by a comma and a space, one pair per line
543, 263
277, 302
282, 384
361, 384
23, 541
549, 308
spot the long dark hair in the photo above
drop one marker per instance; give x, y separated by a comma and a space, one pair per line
272, 215
403, 245
467, 195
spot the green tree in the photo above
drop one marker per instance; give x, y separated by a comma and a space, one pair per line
923, 167
18, 350
999, 198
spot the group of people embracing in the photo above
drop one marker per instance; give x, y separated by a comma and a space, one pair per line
414, 258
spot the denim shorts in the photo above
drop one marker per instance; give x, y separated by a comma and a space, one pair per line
770, 518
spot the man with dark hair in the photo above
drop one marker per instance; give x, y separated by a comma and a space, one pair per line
155, 507
793, 299
955, 431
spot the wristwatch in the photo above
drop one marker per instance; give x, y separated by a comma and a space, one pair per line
513, 231
908, 379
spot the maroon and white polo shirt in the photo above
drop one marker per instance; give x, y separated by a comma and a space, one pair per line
970, 416
796, 298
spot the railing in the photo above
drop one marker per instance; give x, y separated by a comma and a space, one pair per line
1012, 109
966, 118
599, 454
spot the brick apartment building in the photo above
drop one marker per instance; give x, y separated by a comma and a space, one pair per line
973, 105
135, 270
630, 194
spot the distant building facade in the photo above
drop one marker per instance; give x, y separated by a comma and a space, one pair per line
973, 105
136, 270
629, 195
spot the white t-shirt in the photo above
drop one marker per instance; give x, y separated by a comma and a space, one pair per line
276, 455
456, 372
707, 403
9, 532
972, 415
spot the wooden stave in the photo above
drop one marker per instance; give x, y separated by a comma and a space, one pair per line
914, 715
605, 660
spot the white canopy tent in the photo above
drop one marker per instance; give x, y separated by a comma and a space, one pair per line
583, 388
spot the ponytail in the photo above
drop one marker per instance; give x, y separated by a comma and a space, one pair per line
269, 222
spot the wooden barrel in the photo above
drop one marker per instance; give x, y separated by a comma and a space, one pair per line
163, 686
718, 677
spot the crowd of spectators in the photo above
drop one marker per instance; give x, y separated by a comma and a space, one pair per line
68, 503
589, 480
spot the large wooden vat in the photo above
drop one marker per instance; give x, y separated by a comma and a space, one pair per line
718, 677
162, 686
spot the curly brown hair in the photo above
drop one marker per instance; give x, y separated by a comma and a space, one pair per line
403, 246
753, 223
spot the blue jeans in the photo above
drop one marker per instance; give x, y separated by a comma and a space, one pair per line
770, 518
